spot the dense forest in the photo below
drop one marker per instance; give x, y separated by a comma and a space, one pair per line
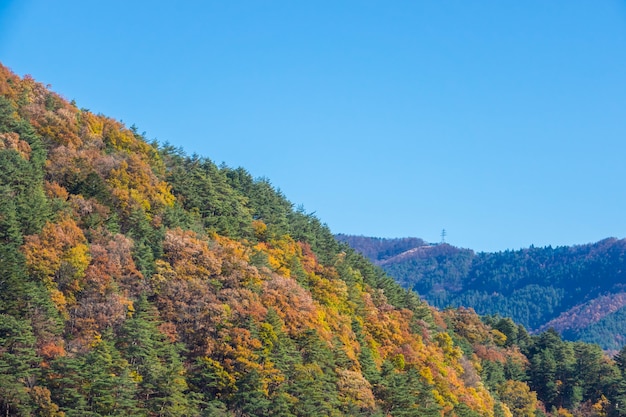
578, 290
136, 280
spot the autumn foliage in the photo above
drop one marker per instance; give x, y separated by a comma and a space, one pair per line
132, 286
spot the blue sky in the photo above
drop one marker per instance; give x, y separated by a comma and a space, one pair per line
503, 122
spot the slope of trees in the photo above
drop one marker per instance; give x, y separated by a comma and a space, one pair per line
136, 280
578, 290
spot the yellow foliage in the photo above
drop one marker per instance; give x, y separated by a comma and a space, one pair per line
439, 398
95, 124
427, 375
519, 398
222, 379
78, 257
398, 361
499, 338
600, 408
504, 409
59, 256
562, 412
119, 138
333, 293
260, 230
162, 274
268, 337
450, 351
135, 376
231, 248
134, 186
59, 301
280, 253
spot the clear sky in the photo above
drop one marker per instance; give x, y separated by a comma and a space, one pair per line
503, 122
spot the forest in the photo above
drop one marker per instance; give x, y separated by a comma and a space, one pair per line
136, 280
577, 290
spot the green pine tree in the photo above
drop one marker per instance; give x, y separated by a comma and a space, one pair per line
162, 387
18, 366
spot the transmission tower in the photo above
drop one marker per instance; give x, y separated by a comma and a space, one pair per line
443, 236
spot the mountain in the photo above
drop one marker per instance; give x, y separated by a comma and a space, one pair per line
379, 250
578, 290
136, 280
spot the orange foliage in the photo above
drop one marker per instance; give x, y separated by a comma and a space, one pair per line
51, 350
51, 116
194, 309
235, 268
111, 281
355, 391
293, 304
468, 325
309, 259
208, 294
490, 354
59, 256
189, 256
41, 397
54, 190
9, 83
11, 140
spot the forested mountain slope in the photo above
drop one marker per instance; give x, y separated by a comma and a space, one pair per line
578, 290
379, 250
138, 281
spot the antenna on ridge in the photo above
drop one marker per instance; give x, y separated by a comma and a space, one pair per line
443, 236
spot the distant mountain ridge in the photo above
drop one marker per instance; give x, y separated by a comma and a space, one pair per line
578, 290
379, 250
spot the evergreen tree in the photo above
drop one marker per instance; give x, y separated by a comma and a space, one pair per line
314, 382
18, 366
98, 383
492, 374
13, 286
109, 387
619, 388
366, 358
23, 176
405, 394
68, 386
148, 241
162, 388
284, 353
250, 398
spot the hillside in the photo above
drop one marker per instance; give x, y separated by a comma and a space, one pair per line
577, 290
138, 281
379, 250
